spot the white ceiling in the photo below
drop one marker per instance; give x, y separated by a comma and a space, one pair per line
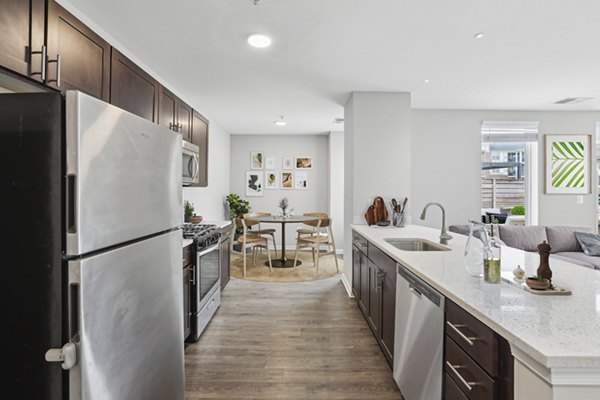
533, 53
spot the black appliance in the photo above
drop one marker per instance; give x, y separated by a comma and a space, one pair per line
206, 275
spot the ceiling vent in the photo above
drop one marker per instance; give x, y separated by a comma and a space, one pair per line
573, 100
338, 120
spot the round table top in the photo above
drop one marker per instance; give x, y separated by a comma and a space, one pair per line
283, 220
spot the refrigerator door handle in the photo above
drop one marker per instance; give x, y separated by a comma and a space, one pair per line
67, 355
71, 203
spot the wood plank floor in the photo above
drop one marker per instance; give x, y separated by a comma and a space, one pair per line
303, 340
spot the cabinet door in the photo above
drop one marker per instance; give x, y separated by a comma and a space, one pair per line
132, 89
374, 298
388, 317
363, 298
77, 57
200, 139
22, 31
356, 272
167, 109
225, 263
187, 276
184, 119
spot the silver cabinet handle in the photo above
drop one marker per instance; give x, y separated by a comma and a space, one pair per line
453, 368
43, 55
57, 61
467, 339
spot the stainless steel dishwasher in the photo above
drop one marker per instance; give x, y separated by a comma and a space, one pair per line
419, 338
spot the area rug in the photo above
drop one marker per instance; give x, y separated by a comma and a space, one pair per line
305, 272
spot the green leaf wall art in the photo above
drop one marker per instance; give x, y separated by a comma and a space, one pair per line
567, 164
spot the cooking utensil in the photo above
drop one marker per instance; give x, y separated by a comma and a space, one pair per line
404, 204
394, 205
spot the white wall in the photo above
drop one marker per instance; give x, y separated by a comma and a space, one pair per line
209, 201
336, 187
446, 151
377, 155
313, 199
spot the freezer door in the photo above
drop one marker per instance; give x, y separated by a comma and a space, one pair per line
123, 175
126, 309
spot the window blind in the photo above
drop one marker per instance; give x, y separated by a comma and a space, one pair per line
509, 131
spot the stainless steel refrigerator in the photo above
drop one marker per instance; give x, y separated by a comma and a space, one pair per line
92, 304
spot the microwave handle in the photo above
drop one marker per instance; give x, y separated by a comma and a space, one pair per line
197, 163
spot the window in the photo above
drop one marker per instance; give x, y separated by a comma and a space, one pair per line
509, 170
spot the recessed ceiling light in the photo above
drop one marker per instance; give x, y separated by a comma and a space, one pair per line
478, 35
280, 122
258, 40
426, 81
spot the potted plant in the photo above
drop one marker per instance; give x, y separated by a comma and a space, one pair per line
188, 211
237, 208
537, 282
517, 210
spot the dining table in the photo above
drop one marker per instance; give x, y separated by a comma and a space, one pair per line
283, 261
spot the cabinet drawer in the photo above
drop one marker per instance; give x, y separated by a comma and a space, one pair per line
187, 255
475, 383
360, 242
386, 264
473, 336
451, 390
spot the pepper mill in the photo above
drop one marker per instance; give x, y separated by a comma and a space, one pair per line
544, 269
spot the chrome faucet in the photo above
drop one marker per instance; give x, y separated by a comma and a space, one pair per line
444, 236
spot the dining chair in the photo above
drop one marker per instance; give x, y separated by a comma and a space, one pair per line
260, 231
321, 235
248, 240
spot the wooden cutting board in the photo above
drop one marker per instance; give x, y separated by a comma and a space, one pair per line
370, 215
381, 213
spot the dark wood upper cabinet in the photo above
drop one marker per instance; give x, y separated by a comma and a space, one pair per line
184, 120
174, 114
78, 58
132, 89
200, 139
22, 26
167, 109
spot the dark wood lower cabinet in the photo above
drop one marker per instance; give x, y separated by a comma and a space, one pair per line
477, 361
225, 260
375, 287
187, 276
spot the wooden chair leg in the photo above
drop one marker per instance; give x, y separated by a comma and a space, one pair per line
296, 253
317, 266
270, 264
244, 255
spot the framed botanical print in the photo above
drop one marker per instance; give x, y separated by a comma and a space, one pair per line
256, 160
568, 164
287, 180
254, 183
288, 162
271, 180
304, 162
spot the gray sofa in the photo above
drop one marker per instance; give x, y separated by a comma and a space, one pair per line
561, 238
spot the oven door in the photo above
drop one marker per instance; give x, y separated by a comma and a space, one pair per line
190, 164
208, 273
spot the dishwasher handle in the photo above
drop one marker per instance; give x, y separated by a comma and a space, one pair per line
421, 288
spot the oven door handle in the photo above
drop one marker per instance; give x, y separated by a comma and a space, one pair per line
208, 250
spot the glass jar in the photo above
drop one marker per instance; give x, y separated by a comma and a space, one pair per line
492, 266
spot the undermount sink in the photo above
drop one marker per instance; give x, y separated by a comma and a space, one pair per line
415, 244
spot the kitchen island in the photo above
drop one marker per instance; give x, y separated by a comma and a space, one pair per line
555, 340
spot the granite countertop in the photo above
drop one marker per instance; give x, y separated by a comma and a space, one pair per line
555, 331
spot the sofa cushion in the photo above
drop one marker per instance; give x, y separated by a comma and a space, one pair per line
562, 238
522, 237
590, 243
578, 257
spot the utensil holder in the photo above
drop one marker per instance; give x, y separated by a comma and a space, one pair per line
398, 219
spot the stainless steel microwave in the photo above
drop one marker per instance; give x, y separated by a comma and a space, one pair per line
190, 163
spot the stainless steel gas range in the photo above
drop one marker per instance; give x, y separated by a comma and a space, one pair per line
206, 276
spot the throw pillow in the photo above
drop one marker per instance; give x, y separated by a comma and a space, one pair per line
590, 243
